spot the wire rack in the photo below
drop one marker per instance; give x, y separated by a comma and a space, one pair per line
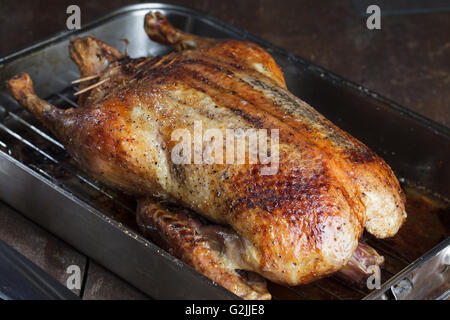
22, 137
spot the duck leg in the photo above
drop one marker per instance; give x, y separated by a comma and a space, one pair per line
93, 57
210, 249
59, 121
159, 29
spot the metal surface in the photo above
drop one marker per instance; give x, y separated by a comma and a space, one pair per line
38, 178
21, 279
426, 278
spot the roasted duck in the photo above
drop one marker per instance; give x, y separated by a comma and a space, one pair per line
296, 224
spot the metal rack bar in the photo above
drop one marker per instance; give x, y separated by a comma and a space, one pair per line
55, 161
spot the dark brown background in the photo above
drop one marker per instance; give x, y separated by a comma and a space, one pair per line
408, 61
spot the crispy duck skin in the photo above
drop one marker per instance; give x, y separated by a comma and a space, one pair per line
295, 226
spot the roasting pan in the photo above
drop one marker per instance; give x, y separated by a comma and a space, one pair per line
40, 180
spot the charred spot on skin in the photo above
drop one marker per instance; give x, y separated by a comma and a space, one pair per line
360, 155
256, 121
296, 192
178, 171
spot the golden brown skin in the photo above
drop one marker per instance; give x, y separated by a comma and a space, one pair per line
295, 226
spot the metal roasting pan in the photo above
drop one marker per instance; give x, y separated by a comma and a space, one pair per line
40, 180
